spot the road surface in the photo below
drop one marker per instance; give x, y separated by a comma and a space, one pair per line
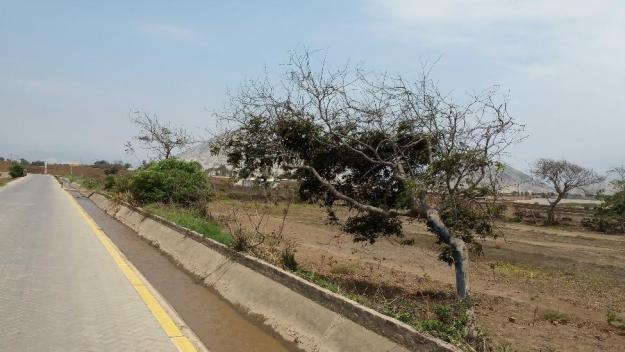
60, 288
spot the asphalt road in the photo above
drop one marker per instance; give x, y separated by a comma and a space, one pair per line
60, 290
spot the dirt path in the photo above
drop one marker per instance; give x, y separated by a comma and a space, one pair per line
522, 274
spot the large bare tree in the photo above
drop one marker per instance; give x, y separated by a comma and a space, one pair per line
563, 176
619, 173
158, 138
391, 150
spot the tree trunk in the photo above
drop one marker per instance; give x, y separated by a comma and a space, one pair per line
461, 266
551, 213
460, 253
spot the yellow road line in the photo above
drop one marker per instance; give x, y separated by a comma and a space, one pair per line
167, 324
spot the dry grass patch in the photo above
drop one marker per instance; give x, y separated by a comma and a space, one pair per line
511, 270
555, 316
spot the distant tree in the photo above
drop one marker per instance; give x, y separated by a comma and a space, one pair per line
619, 173
101, 164
156, 137
24, 162
609, 216
564, 177
1, 158
111, 168
17, 170
389, 149
38, 163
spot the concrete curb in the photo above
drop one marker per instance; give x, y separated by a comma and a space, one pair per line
316, 318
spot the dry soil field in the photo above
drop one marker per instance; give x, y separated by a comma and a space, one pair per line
521, 280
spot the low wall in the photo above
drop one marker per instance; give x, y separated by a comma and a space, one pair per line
315, 318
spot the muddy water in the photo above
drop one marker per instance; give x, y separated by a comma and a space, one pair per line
218, 324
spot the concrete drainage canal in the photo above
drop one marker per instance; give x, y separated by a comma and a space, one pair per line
219, 325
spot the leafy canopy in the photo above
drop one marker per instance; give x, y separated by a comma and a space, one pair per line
17, 170
389, 149
609, 216
166, 181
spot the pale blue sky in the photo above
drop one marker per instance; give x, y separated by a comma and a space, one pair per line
70, 71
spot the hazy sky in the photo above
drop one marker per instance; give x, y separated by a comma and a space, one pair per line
70, 71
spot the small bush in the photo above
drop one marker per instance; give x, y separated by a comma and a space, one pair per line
556, 316
17, 170
609, 216
109, 182
288, 258
90, 183
407, 242
342, 269
240, 241
615, 319
168, 181
451, 323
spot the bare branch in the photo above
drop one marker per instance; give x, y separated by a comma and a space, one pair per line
156, 137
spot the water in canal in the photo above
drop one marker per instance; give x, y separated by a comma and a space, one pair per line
218, 324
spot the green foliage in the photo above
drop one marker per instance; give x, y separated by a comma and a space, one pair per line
121, 183
450, 323
109, 182
190, 219
616, 319
367, 227
169, 181
343, 167
111, 168
555, 316
90, 183
609, 216
319, 280
468, 219
17, 170
255, 148
403, 316
388, 149
288, 259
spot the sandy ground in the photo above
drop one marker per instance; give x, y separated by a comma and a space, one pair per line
521, 274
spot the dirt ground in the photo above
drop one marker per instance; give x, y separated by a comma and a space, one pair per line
59, 169
522, 275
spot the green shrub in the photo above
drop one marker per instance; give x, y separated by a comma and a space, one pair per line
555, 316
90, 183
168, 181
451, 323
288, 258
609, 216
109, 182
17, 170
616, 319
